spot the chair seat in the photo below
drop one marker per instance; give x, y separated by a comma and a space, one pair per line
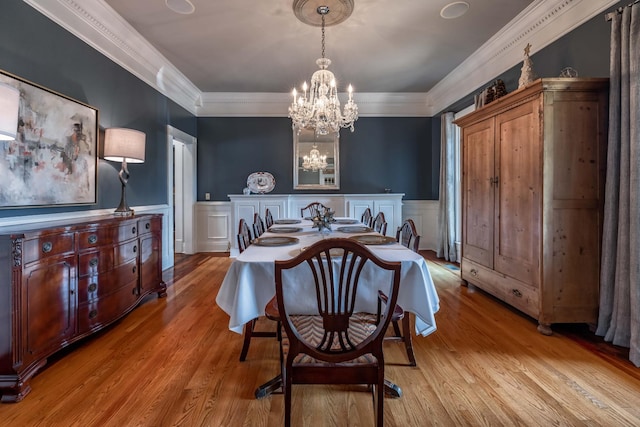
361, 325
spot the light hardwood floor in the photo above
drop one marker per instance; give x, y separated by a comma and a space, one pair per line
173, 362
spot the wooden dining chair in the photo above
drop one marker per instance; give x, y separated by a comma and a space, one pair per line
268, 218
366, 217
407, 236
258, 225
379, 224
244, 235
312, 210
244, 240
329, 342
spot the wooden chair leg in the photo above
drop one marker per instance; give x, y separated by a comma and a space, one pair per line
406, 337
396, 328
248, 332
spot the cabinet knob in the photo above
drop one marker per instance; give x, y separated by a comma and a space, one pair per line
92, 239
516, 293
133, 230
135, 249
93, 287
93, 314
147, 226
474, 272
93, 262
46, 247
134, 269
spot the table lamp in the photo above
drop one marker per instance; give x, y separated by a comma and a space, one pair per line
9, 104
125, 145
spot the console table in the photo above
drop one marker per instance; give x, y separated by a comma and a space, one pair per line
62, 281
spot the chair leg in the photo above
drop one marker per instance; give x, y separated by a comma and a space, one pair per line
379, 402
286, 390
248, 332
406, 337
396, 328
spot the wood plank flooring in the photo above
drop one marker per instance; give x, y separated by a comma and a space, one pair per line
173, 362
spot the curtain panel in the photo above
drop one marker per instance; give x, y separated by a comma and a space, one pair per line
619, 315
447, 208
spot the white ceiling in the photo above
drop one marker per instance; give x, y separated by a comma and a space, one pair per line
260, 46
242, 58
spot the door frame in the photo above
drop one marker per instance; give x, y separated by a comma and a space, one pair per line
189, 190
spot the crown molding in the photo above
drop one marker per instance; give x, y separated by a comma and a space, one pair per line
228, 104
540, 24
98, 25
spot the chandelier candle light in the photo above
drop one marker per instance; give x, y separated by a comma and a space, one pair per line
314, 161
319, 108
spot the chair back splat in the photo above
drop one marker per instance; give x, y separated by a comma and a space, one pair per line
336, 335
312, 210
366, 217
244, 235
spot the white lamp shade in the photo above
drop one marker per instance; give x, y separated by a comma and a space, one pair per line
9, 104
124, 144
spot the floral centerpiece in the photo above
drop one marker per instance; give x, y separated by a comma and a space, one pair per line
323, 219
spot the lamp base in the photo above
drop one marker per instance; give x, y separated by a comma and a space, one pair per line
130, 212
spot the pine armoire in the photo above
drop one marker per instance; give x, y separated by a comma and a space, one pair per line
533, 169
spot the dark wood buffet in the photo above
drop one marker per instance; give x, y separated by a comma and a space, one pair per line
62, 281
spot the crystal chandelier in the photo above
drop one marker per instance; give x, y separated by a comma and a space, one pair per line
314, 161
319, 109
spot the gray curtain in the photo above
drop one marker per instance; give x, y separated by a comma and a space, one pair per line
619, 318
447, 214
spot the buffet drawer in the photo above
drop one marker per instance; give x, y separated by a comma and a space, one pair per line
47, 246
96, 285
107, 235
97, 313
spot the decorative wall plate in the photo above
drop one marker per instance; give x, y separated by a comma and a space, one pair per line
261, 182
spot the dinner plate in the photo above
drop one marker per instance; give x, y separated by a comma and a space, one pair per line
334, 252
275, 241
347, 221
374, 239
355, 229
287, 221
284, 229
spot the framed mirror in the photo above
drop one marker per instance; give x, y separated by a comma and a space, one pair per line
315, 161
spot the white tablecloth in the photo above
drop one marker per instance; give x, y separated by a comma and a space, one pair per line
249, 283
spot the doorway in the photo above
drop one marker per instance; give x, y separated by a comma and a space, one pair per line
182, 172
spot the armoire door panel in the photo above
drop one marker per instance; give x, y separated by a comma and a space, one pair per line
478, 188
517, 230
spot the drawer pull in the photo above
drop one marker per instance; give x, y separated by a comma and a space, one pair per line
93, 238
516, 293
135, 249
93, 314
133, 230
93, 262
93, 287
134, 269
134, 291
147, 226
474, 272
46, 247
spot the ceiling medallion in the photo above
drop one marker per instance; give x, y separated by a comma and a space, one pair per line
306, 11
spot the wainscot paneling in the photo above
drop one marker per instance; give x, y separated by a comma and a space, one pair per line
217, 226
214, 227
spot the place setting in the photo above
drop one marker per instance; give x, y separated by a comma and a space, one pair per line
285, 229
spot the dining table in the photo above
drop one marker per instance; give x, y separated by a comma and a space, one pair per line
249, 283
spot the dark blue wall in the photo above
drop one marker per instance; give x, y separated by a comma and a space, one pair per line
586, 49
38, 50
393, 153
397, 153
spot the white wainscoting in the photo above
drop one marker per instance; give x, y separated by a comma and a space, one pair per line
424, 214
214, 227
217, 230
